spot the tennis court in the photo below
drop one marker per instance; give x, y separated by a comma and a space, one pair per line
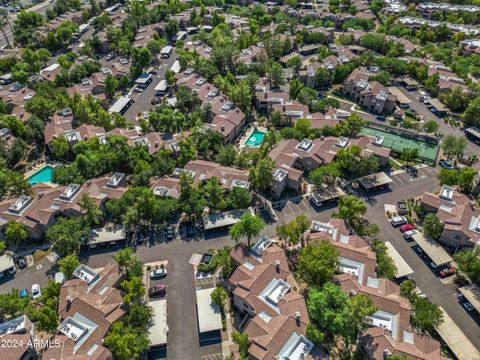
427, 151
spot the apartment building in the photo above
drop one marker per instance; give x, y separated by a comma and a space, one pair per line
199, 171
292, 157
390, 331
228, 119
277, 315
355, 256
39, 211
459, 214
88, 305
371, 95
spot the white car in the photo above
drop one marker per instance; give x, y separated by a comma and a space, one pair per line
398, 220
408, 234
158, 274
36, 292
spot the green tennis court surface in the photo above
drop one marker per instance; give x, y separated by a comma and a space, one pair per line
427, 151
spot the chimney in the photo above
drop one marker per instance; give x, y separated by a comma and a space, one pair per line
297, 317
69, 302
277, 265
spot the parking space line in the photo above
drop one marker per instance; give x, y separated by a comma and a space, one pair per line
305, 207
398, 178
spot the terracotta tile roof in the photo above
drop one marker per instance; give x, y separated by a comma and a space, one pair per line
268, 338
14, 352
99, 303
456, 213
378, 341
46, 202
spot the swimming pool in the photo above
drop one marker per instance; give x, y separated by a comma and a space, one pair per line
42, 175
255, 139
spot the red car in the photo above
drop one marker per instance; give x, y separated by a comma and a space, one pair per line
446, 272
157, 290
407, 227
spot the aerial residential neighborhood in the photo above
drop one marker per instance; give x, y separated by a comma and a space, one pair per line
265, 180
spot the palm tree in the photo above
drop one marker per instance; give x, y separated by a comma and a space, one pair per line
4, 21
92, 212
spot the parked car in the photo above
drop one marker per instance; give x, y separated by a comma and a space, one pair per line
23, 293
12, 270
467, 306
170, 233
156, 100
157, 290
36, 292
110, 56
21, 262
446, 164
398, 220
138, 89
190, 230
408, 235
381, 117
407, 227
464, 302
158, 274
446, 272
123, 61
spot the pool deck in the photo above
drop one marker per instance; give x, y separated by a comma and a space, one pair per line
246, 135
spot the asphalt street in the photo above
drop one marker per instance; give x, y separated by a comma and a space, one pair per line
142, 100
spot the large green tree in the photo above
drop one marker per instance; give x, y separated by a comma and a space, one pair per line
433, 226
453, 146
126, 341
336, 314
426, 315
249, 227
68, 264
317, 262
468, 261
15, 232
67, 235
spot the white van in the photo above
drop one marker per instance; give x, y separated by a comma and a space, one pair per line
398, 220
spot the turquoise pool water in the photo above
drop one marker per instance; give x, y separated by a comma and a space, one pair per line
255, 139
42, 175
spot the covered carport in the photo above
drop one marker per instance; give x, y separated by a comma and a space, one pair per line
375, 181
401, 97
434, 251
456, 340
6, 263
403, 269
472, 294
209, 318
157, 333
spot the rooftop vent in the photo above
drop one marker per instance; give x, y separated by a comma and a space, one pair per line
21, 203
200, 82
305, 145
227, 106
160, 191
447, 192
240, 184
378, 140
342, 142
115, 180
70, 192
